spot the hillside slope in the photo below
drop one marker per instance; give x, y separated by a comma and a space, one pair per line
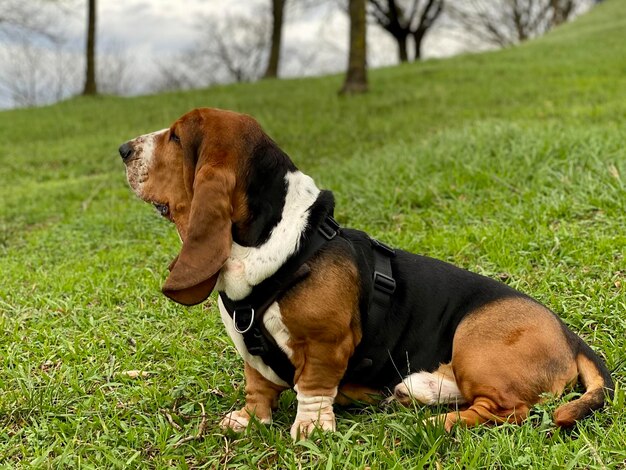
510, 163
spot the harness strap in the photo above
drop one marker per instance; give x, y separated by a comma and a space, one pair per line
384, 283
247, 313
374, 351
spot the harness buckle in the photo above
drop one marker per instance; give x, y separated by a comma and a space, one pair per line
329, 228
256, 343
386, 249
384, 283
245, 311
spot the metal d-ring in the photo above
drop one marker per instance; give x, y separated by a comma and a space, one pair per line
245, 330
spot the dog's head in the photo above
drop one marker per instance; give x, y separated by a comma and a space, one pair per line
199, 173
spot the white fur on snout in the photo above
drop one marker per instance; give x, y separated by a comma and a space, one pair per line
137, 169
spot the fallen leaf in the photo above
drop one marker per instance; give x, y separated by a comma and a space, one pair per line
133, 374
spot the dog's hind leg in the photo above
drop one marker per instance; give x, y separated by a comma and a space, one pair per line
483, 410
505, 356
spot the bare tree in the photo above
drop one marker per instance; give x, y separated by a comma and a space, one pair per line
427, 17
506, 22
32, 74
406, 19
90, 50
113, 73
233, 49
20, 16
36, 67
39, 64
278, 9
356, 76
21, 77
178, 73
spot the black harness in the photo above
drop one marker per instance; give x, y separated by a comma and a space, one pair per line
247, 313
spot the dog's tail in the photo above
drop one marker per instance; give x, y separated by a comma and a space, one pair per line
596, 379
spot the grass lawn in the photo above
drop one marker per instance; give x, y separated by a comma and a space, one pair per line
511, 164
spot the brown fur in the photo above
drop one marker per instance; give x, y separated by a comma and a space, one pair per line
261, 394
504, 357
566, 415
199, 177
323, 334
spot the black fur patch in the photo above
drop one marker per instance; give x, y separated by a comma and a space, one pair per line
266, 191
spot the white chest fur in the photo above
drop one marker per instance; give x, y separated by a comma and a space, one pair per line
248, 266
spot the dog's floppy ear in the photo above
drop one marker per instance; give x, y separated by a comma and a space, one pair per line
208, 241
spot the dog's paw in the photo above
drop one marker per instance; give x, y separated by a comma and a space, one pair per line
429, 389
239, 420
303, 429
235, 421
401, 394
314, 412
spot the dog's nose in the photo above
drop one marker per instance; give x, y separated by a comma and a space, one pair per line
126, 150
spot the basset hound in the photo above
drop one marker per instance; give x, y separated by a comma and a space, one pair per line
254, 227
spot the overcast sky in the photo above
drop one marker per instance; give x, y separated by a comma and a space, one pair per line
154, 27
148, 31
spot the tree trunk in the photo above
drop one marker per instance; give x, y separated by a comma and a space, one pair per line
90, 75
418, 37
403, 55
561, 11
356, 76
278, 7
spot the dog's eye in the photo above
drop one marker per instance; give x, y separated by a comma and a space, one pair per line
174, 137
163, 209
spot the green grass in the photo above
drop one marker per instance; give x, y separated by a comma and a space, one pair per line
511, 164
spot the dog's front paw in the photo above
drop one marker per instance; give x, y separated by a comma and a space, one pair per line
303, 429
239, 420
314, 412
236, 421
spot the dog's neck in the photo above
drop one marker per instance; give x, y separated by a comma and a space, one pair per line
247, 266
265, 189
